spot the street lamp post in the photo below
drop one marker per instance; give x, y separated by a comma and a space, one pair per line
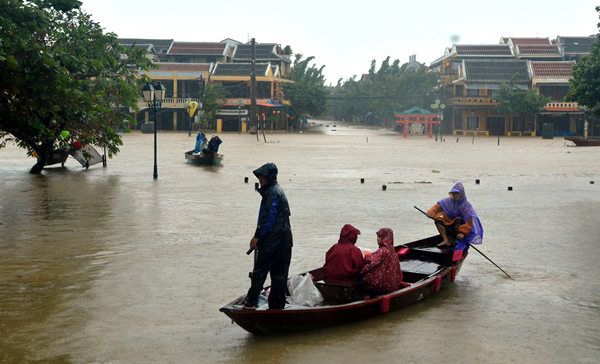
440, 116
154, 96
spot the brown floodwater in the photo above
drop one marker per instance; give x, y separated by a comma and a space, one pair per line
108, 265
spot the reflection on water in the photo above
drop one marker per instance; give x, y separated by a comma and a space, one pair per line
110, 265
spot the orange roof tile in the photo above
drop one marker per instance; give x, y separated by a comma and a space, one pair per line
539, 50
552, 69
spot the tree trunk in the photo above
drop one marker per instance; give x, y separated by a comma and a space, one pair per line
43, 153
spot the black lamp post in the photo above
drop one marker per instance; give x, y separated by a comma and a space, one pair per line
154, 96
440, 116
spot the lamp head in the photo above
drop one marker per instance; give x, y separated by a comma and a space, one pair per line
148, 92
159, 92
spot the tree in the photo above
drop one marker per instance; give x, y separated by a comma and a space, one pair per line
213, 98
390, 88
515, 101
60, 71
307, 93
585, 84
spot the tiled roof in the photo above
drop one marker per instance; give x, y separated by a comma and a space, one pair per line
540, 50
240, 69
263, 52
197, 48
157, 43
519, 41
148, 47
552, 69
577, 45
484, 50
190, 67
495, 71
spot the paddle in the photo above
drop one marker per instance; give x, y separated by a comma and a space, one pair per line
471, 245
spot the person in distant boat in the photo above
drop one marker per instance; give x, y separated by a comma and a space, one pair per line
454, 216
213, 144
344, 261
204, 146
272, 240
199, 138
381, 272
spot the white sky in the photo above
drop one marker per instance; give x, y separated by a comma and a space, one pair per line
346, 36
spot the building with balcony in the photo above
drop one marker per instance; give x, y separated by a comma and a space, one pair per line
471, 74
552, 80
184, 68
471, 97
184, 82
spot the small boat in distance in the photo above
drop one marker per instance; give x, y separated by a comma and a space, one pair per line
211, 159
584, 142
425, 268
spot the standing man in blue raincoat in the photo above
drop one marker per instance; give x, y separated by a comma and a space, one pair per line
272, 240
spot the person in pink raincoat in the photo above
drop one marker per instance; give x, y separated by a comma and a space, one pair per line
381, 272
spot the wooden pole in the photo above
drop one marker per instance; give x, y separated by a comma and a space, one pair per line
253, 86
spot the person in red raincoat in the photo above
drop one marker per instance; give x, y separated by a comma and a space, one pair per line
381, 272
344, 261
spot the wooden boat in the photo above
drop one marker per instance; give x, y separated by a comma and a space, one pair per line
584, 142
426, 269
211, 159
86, 156
59, 155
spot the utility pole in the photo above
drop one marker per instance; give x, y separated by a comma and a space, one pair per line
253, 86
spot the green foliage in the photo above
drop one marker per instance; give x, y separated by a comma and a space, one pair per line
585, 84
390, 88
308, 93
515, 101
213, 100
60, 71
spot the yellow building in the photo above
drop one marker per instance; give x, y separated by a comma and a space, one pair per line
185, 67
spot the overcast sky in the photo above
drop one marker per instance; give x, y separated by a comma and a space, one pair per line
346, 36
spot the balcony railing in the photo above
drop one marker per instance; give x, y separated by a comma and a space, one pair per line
170, 102
561, 105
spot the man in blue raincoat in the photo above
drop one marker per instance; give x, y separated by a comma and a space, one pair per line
272, 241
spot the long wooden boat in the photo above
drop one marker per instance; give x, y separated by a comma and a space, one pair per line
211, 159
426, 269
584, 142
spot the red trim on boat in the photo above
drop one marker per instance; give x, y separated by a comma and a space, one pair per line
385, 304
437, 283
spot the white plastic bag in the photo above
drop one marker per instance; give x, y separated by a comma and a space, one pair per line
303, 291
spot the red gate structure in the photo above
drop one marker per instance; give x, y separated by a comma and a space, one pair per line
417, 115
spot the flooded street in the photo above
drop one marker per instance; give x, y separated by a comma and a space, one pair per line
108, 265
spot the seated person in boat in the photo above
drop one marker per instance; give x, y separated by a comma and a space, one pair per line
381, 272
200, 137
455, 217
204, 146
344, 261
213, 144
